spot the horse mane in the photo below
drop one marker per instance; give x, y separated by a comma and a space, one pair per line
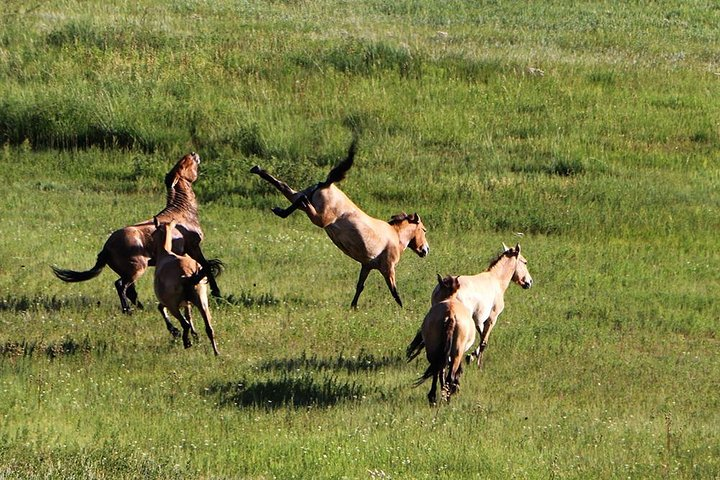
180, 198
494, 260
401, 217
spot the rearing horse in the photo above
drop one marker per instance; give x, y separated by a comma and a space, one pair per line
130, 250
373, 243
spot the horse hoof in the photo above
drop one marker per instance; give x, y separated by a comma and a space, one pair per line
255, 169
175, 332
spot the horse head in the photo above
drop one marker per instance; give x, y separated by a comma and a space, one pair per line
185, 169
522, 275
447, 287
418, 243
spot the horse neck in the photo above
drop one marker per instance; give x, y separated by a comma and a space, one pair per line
181, 202
503, 270
405, 232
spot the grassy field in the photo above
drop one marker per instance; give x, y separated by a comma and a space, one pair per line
592, 129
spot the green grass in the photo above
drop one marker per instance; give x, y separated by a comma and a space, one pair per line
591, 129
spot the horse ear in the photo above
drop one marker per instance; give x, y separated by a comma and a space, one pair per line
415, 218
505, 247
517, 248
439, 278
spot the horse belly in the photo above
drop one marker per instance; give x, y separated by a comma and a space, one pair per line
478, 304
355, 239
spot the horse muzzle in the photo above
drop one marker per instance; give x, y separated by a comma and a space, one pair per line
423, 251
526, 284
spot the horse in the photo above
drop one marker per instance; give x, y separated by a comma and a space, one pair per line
483, 294
180, 282
447, 332
374, 243
130, 250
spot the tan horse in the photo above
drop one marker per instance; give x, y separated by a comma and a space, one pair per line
130, 250
447, 332
483, 294
180, 282
372, 242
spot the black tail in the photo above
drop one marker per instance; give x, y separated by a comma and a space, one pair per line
340, 170
73, 276
415, 347
215, 268
440, 359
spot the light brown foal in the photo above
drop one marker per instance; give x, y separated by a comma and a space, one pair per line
375, 244
180, 282
447, 332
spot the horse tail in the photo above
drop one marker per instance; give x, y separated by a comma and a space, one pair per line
340, 170
73, 276
440, 359
215, 268
415, 347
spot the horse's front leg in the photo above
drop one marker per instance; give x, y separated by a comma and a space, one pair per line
389, 275
364, 272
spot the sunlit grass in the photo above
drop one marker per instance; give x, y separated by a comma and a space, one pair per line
588, 133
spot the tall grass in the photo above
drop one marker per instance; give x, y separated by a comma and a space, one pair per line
586, 132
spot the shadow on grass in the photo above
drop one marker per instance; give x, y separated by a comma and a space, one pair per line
362, 362
305, 381
24, 303
64, 348
287, 391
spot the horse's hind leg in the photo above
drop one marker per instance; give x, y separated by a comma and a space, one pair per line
432, 394
297, 199
185, 326
188, 316
133, 296
122, 288
171, 328
205, 312
364, 272
283, 187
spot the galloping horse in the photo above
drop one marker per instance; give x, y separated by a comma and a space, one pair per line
372, 242
447, 332
180, 282
483, 294
130, 250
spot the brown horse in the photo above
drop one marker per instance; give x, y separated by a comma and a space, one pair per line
447, 332
372, 242
130, 250
483, 294
180, 282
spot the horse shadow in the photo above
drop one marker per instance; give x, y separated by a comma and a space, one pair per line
304, 382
